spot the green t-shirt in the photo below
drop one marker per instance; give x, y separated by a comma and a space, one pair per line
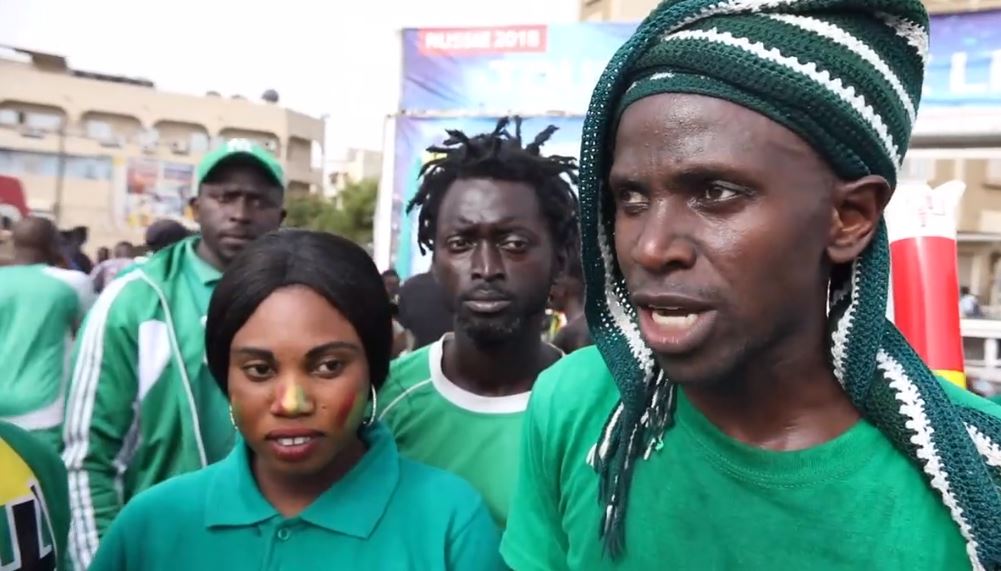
34, 503
387, 513
438, 423
40, 308
705, 501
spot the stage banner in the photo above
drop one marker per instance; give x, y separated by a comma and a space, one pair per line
414, 135
494, 71
552, 69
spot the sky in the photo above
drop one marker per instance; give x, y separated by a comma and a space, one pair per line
334, 58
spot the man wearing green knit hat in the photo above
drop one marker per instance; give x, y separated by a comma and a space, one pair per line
142, 406
747, 404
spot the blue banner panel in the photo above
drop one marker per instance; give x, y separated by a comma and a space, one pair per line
552, 69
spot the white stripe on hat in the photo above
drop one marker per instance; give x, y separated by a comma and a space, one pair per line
654, 77
846, 39
834, 85
915, 34
617, 308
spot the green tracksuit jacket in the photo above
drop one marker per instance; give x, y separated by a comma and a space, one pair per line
141, 405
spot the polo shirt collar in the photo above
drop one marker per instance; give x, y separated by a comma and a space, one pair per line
233, 498
356, 503
352, 506
203, 271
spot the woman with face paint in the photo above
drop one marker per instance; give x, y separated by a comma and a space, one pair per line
299, 338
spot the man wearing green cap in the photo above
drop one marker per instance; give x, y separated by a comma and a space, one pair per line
747, 404
142, 406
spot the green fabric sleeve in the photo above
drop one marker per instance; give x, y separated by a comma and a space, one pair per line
534, 539
474, 546
99, 414
51, 476
120, 544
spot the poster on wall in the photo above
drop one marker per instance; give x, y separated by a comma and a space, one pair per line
156, 189
498, 70
414, 135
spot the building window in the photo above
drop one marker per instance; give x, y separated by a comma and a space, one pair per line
316, 155
993, 178
199, 142
10, 117
43, 121
917, 168
100, 130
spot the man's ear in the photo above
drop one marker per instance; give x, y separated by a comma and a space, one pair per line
858, 208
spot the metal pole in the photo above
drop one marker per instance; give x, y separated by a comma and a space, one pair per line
60, 176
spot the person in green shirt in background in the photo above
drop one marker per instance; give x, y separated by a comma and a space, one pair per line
141, 355
41, 306
34, 503
299, 338
499, 218
748, 405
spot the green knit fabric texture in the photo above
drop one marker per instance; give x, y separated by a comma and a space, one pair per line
846, 76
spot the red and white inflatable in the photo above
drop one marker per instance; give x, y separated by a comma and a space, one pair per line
925, 273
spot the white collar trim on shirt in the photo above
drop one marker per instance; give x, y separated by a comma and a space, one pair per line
464, 399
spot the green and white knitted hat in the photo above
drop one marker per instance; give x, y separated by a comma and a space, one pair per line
846, 76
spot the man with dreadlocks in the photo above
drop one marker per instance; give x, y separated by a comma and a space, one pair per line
748, 405
499, 218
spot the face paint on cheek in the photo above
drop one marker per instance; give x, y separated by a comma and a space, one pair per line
344, 410
293, 399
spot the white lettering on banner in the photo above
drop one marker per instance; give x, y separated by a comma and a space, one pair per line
957, 77
461, 40
483, 40
959, 83
995, 71
516, 39
549, 85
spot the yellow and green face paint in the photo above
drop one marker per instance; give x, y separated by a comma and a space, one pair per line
293, 400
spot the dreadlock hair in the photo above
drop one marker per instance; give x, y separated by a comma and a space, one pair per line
501, 155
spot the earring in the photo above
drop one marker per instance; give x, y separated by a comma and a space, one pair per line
232, 419
375, 407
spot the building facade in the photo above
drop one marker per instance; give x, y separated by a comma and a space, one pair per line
113, 153
354, 166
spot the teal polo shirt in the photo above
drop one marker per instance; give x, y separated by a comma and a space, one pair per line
387, 513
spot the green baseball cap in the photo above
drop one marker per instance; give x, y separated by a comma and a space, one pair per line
242, 147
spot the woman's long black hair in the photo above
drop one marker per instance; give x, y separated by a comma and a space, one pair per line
333, 267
